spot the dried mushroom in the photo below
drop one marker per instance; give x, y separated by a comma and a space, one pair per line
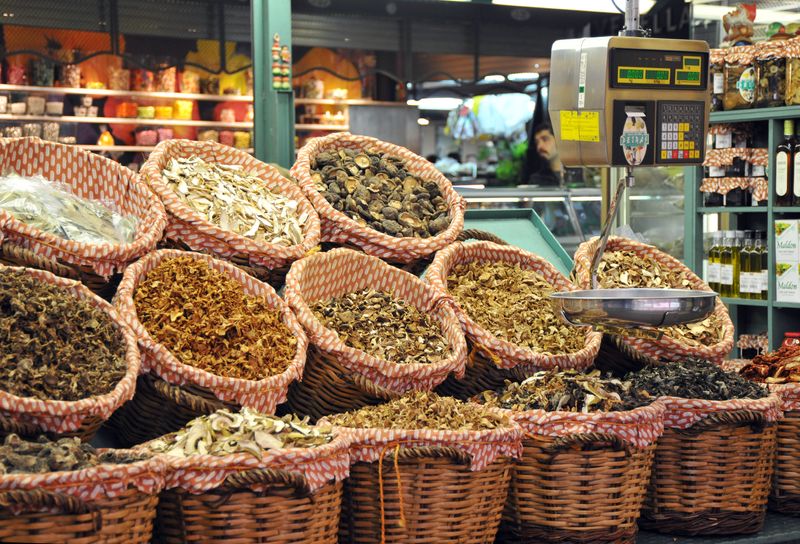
207, 321
568, 391
236, 200
512, 304
53, 345
383, 326
694, 379
248, 431
423, 410
623, 269
781, 366
42, 455
376, 190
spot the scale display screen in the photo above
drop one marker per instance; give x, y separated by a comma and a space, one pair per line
643, 68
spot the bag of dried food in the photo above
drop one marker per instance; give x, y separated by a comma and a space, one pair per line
375, 331
104, 193
66, 491
251, 477
67, 359
417, 461
225, 202
379, 197
715, 458
500, 294
210, 335
770, 63
598, 435
740, 78
627, 263
780, 371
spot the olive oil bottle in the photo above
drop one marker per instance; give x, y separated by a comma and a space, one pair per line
712, 271
761, 245
749, 271
783, 166
726, 265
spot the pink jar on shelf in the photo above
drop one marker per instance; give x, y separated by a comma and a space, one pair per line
226, 137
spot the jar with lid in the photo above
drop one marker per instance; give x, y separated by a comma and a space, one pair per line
770, 63
717, 77
740, 78
791, 50
791, 339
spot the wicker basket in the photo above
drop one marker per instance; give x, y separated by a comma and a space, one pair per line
582, 478
712, 476
30, 417
109, 504
340, 229
87, 175
493, 360
171, 393
439, 499
283, 512
188, 230
339, 378
785, 494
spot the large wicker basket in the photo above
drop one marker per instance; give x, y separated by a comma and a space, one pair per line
493, 360
30, 417
170, 393
337, 377
338, 228
109, 504
87, 175
713, 467
188, 230
582, 478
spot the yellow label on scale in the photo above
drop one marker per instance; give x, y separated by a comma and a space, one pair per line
580, 126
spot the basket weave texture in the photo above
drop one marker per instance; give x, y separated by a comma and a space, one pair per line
338, 228
341, 271
86, 175
713, 466
111, 504
29, 416
288, 496
665, 348
427, 486
785, 494
581, 477
505, 354
190, 228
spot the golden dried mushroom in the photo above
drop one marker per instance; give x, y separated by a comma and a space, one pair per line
383, 326
376, 190
623, 269
423, 410
248, 431
235, 200
207, 321
512, 304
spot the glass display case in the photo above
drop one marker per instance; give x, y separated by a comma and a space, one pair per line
572, 215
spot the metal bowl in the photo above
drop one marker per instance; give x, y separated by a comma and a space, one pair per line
631, 308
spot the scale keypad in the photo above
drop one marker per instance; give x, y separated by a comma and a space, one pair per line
680, 132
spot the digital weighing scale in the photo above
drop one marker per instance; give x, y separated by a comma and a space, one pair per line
630, 101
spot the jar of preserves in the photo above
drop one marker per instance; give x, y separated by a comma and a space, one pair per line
770, 62
740, 78
792, 53
717, 77
791, 339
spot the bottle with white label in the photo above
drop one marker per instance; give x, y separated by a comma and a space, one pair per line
726, 264
749, 280
761, 245
783, 166
796, 168
712, 271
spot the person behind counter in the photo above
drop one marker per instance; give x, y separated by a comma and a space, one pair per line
552, 173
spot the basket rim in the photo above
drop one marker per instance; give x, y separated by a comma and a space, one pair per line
295, 297
152, 223
178, 211
124, 388
456, 204
437, 274
125, 302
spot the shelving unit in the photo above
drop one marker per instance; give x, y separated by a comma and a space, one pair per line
125, 121
130, 94
759, 315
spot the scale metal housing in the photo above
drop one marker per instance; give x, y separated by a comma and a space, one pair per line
630, 101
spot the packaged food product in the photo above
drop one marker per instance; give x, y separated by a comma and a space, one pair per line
35, 105
146, 136
182, 109
32, 130
50, 131
43, 72
208, 135
770, 63
165, 133
143, 80
145, 112
166, 79
12, 132
226, 137
71, 76
18, 108
127, 109
740, 78
241, 139
190, 82
792, 53
163, 112
119, 79
227, 115
54, 108
16, 74
717, 77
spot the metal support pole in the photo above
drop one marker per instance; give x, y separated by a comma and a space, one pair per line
274, 110
631, 18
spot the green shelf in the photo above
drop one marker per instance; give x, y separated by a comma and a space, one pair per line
735, 209
730, 301
786, 304
757, 114
786, 209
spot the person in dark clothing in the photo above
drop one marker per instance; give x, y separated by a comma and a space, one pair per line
553, 172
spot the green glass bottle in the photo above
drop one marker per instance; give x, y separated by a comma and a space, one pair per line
726, 265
